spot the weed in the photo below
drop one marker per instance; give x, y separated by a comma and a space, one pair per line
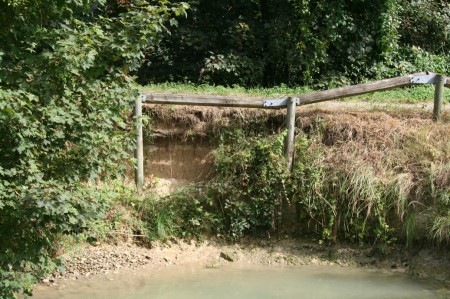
410, 226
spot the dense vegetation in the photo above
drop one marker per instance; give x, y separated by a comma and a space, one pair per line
65, 104
302, 42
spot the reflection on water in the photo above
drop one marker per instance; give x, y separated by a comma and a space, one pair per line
246, 283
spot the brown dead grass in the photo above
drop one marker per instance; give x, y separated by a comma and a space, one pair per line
206, 119
389, 142
378, 137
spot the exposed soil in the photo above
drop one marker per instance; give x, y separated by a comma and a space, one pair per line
169, 159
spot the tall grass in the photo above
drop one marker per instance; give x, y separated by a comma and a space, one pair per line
439, 211
440, 229
351, 180
410, 227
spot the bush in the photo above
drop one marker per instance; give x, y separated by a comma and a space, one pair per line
249, 189
185, 214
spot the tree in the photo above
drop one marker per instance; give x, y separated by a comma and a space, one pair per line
65, 99
302, 42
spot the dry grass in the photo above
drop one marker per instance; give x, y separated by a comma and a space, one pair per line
184, 122
402, 141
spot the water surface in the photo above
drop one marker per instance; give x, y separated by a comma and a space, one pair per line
247, 283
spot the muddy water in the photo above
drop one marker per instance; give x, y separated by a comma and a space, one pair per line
247, 283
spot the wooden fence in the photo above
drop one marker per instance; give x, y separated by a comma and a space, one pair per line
439, 81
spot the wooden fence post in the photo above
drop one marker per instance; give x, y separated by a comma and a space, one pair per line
290, 126
438, 97
139, 173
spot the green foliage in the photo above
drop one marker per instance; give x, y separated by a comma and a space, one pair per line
185, 214
253, 188
32, 218
316, 43
410, 60
351, 200
12, 282
250, 185
65, 101
410, 226
160, 218
119, 220
425, 24
230, 68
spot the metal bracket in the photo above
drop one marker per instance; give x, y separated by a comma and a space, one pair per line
143, 98
279, 102
425, 79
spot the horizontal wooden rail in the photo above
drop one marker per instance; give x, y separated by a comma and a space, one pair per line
354, 90
304, 99
199, 100
359, 89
